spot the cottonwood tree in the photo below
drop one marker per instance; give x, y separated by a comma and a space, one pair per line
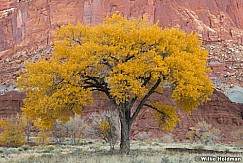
127, 61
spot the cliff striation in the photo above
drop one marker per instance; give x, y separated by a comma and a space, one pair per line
220, 112
29, 25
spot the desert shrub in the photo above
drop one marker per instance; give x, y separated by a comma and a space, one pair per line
201, 146
105, 126
166, 159
238, 135
74, 128
27, 124
42, 139
13, 131
144, 136
167, 138
204, 133
59, 132
25, 147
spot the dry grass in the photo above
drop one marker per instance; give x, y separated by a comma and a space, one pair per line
93, 151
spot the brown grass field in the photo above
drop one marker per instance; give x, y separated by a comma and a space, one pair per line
96, 151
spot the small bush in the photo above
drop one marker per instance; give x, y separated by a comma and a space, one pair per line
238, 135
166, 159
27, 125
25, 147
46, 149
201, 146
105, 126
144, 136
167, 139
42, 139
59, 132
204, 133
13, 132
73, 128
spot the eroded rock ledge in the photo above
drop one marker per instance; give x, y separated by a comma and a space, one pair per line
220, 112
26, 24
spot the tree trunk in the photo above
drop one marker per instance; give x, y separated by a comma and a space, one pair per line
125, 135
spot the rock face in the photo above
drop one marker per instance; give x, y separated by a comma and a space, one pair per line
10, 103
11, 67
30, 24
220, 112
226, 61
27, 27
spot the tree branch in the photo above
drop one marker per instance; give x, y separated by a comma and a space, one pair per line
93, 82
105, 62
146, 80
99, 85
142, 102
129, 57
158, 93
152, 107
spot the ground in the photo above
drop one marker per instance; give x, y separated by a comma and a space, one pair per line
92, 151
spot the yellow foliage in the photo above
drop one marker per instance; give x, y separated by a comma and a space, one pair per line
105, 127
124, 59
13, 132
42, 139
165, 116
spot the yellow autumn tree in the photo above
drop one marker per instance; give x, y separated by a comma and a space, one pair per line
127, 61
13, 131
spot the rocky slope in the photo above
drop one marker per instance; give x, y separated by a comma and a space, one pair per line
220, 112
226, 62
28, 25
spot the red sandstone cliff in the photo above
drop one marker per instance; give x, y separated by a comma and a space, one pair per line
220, 112
10, 103
30, 24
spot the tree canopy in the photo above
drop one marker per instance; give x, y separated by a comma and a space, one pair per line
127, 61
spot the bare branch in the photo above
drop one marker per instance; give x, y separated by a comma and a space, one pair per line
152, 107
142, 102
